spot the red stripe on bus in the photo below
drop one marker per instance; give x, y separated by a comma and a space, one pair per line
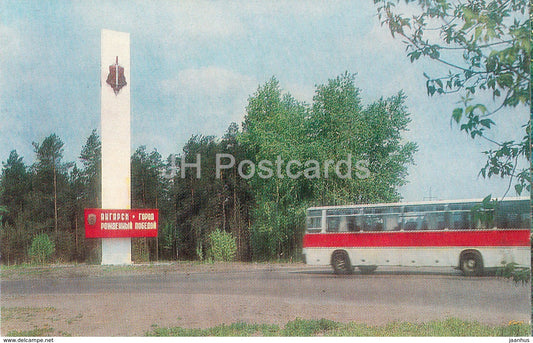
487, 238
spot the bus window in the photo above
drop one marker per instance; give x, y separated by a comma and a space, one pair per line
482, 219
526, 221
333, 224
351, 224
447, 220
394, 209
438, 221
373, 223
409, 224
314, 224
378, 224
423, 216
410, 221
513, 215
407, 209
461, 206
433, 221
343, 226
502, 221
460, 220
514, 220
391, 222
360, 223
366, 223
314, 213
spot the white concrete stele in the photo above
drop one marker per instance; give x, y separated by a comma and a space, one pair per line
116, 150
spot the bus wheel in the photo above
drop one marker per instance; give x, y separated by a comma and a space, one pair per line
472, 264
341, 263
367, 269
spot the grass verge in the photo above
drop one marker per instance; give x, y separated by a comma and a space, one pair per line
323, 327
37, 332
23, 313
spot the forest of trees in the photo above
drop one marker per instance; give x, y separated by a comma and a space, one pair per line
265, 216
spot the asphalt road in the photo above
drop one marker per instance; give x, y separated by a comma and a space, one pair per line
130, 304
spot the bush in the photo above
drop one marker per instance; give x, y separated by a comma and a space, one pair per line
307, 328
222, 246
41, 248
516, 273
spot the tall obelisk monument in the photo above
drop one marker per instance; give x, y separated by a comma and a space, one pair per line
115, 129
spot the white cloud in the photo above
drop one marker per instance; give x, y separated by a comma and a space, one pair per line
380, 41
205, 18
10, 41
207, 99
209, 81
300, 92
10, 53
190, 19
307, 9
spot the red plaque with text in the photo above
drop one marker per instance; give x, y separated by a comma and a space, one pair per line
100, 223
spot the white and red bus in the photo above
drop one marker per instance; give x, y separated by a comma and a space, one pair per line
459, 233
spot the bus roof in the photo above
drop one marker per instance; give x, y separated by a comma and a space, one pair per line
432, 202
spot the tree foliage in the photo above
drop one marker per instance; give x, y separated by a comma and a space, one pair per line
485, 47
209, 203
48, 197
336, 127
91, 160
15, 184
51, 178
148, 190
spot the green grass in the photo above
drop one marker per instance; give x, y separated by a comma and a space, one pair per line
23, 312
26, 314
37, 332
21, 267
235, 329
324, 327
5, 267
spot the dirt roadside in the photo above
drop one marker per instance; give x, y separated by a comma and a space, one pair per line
97, 314
56, 271
88, 300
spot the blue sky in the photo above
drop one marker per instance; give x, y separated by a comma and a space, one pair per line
195, 63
